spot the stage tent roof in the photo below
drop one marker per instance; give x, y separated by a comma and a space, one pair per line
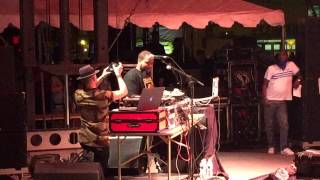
144, 13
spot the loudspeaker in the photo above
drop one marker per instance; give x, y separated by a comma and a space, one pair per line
13, 151
308, 45
12, 131
243, 81
8, 70
66, 171
246, 123
12, 110
53, 140
130, 147
64, 142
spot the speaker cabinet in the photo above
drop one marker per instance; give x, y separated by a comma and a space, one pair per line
63, 142
8, 70
243, 81
53, 140
12, 110
246, 123
130, 147
12, 131
13, 153
308, 54
67, 171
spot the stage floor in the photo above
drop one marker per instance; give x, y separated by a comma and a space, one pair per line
238, 164
242, 165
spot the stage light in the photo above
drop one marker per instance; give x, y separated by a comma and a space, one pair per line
15, 40
291, 42
83, 42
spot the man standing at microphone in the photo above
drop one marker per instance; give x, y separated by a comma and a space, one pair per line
93, 106
141, 76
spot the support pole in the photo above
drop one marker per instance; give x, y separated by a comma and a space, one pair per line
67, 113
29, 55
43, 101
283, 37
65, 31
101, 30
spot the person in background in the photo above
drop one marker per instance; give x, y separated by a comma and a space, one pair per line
141, 76
276, 90
93, 105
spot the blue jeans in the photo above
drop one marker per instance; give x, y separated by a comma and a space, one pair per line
276, 111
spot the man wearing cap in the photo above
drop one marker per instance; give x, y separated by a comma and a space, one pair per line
93, 106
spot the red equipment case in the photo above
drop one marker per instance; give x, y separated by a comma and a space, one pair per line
137, 121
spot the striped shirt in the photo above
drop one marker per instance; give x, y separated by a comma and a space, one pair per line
280, 81
93, 106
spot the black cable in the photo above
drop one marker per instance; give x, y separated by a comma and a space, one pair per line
126, 22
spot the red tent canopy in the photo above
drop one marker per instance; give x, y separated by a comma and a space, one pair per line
144, 13
197, 13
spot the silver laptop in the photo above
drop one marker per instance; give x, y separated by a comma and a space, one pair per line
150, 98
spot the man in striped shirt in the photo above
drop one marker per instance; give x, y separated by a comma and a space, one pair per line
276, 90
93, 106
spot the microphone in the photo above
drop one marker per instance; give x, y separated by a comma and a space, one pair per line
160, 57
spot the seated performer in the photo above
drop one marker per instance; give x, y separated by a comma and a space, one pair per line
93, 106
140, 77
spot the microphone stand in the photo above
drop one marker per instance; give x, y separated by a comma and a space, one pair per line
189, 77
192, 81
175, 63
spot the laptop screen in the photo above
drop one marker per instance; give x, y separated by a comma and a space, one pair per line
150, 98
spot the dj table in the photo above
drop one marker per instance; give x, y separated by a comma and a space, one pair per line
167, 135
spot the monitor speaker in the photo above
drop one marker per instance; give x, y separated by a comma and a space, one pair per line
130, 147
64, 142
13, 147
308, 45
8, 70
13, 153
66, 171
53, 140
12, 110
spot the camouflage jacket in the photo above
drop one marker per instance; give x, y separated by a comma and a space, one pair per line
93, 106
